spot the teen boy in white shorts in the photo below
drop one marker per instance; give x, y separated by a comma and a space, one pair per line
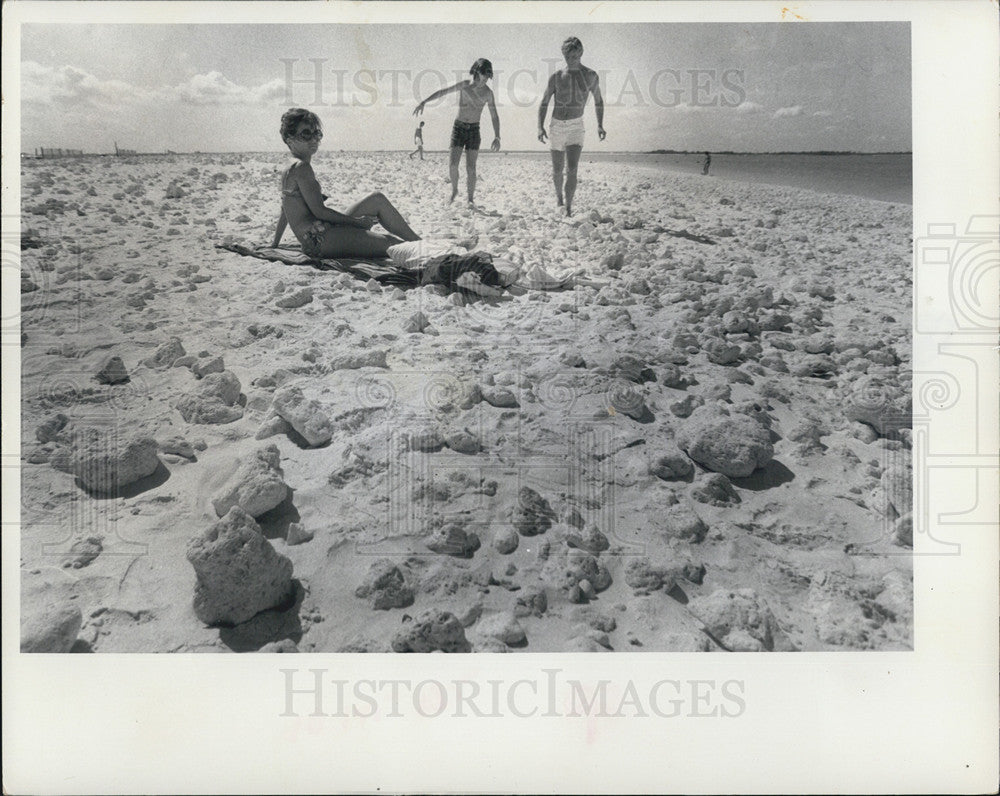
571, 87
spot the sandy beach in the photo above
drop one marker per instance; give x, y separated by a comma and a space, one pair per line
703, 448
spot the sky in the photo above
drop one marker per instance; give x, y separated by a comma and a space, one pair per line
746, 87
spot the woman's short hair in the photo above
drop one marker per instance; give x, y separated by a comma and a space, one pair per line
293, 117
482, 67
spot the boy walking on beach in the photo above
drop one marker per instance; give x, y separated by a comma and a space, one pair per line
418, 139
571, 88
472, 96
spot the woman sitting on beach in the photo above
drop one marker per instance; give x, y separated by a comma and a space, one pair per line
321, 231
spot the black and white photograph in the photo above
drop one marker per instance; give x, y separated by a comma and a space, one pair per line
463, 328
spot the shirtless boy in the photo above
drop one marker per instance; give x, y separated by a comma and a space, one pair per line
473, 95
571, 87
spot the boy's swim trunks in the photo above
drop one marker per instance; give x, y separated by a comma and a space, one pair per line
565, 132
465, 135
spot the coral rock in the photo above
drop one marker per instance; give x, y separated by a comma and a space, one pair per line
213, 402
51, 627
506, 541
112, 371
670, 464
239, 573
386, 586
734, 445
297, 299
256, 487
679, 521
432, 631
103, 463
503, 627
715, 490
305, 416
49, 429
165, 355
739, 619
878, 403
368, 359
451, 539
532, 515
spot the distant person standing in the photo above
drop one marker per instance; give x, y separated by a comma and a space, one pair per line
571, 87
708, 162
418, 139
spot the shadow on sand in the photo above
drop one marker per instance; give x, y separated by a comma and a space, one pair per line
773, 474
276, 624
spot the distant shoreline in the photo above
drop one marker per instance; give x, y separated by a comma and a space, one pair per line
699, 152
883, 177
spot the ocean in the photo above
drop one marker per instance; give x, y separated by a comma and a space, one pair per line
885, 177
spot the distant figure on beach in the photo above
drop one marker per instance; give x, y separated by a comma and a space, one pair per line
321, 231
418, 139
571, 88
473, 95
708, 162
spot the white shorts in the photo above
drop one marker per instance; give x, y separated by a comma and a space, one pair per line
565, 132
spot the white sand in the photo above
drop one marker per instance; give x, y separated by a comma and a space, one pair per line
122, 269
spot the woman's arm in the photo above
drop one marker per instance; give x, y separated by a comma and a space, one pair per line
313, 197
439, 93
282, 223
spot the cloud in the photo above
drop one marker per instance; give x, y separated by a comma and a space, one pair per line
749, 107
215, 88
822, 114
68, 87
795, 110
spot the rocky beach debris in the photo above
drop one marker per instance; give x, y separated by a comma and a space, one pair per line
213, 401
666, 461
532, 514
739, 620
714, 489
385, 586
433, 630
256, 487
50, 627
716, 396
453, 540
731, 444
503, 627
105, 461
112, 371
305, 416
239, 573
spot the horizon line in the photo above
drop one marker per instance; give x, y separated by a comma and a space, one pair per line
541, 151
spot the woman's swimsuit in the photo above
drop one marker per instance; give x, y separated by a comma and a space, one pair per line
312, 236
